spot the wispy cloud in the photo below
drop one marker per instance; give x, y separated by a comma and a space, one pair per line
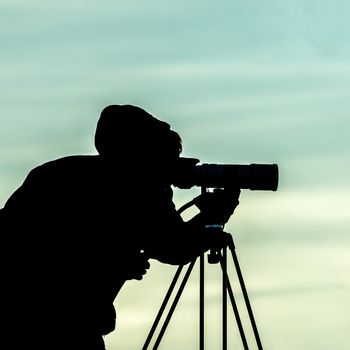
242, 81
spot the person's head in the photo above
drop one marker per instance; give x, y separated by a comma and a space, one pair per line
129, 134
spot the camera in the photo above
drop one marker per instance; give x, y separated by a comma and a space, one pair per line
253, 176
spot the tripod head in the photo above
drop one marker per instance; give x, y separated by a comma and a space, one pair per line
216, 206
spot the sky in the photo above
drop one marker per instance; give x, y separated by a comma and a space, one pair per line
242, 82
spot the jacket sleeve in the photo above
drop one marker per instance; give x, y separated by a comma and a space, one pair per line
170, 239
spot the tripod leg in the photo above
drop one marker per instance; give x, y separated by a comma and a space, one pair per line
245, 295
162, 308
173, 306
234, 305
224, 298
201, 302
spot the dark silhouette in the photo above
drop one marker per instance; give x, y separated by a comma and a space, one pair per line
80, 226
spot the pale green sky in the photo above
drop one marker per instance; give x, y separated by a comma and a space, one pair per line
242, 82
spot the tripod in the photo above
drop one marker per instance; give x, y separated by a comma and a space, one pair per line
214, 257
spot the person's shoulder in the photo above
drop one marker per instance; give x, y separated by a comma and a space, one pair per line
68, 164
70, 160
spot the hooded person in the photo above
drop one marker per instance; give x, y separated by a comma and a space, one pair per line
80, 226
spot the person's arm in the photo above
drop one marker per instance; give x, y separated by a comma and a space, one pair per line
181, 242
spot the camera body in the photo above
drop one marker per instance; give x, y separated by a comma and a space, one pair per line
244, 176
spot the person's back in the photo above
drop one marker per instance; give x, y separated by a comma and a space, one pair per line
56, 227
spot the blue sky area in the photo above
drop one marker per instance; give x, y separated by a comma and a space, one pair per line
242, 82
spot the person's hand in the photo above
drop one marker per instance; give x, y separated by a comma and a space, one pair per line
219, 205
215, 240
137, 267
220, 239
182, 176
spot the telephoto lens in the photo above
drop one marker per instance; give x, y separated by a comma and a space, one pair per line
263, 177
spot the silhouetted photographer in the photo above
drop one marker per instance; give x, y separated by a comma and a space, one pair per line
80, 226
